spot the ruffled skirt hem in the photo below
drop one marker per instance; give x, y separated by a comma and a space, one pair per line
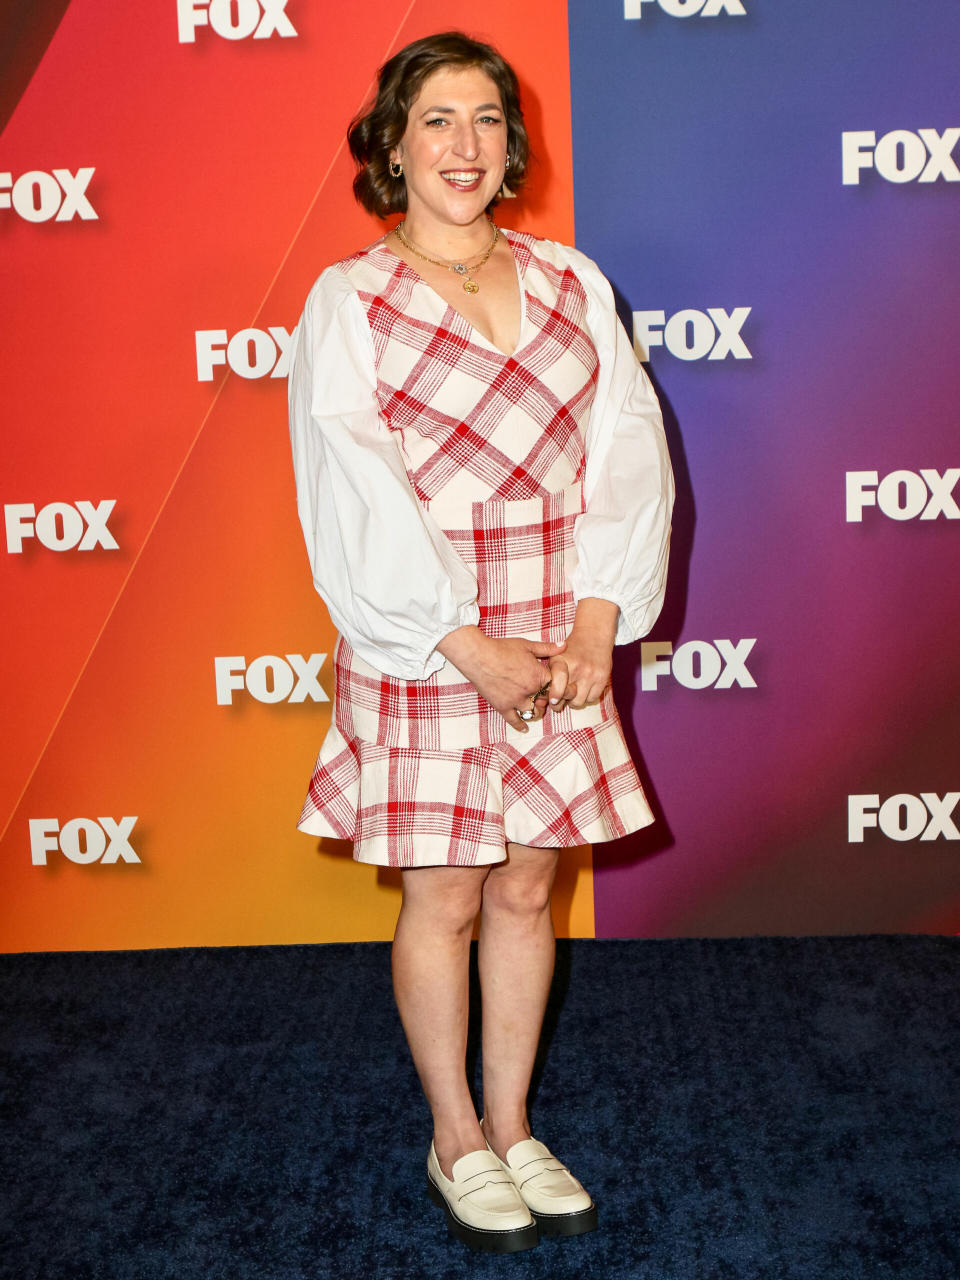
403, 807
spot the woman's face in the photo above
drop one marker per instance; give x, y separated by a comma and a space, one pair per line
454, 149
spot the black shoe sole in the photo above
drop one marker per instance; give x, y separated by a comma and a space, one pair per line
475, 1238
566, 1224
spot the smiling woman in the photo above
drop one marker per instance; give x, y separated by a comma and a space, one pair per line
374, 136
485, 493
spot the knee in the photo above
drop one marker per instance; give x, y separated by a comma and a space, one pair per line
449, 906
523, 895
456, 913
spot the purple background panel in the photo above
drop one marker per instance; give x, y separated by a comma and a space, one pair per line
707, 161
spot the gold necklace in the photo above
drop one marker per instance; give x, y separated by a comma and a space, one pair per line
461, 268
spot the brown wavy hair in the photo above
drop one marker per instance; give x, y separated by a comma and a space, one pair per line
374, 134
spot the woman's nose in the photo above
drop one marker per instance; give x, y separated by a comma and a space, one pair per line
467, 142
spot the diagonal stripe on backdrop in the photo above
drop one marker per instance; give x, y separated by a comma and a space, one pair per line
28, 30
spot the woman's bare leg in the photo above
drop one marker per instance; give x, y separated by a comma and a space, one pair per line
431, 967
516, 967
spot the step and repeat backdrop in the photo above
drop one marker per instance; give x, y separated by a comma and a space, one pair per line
774, 192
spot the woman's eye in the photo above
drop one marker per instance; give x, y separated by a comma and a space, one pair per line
489, 120
436, 120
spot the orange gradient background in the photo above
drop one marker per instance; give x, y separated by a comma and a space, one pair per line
222, 186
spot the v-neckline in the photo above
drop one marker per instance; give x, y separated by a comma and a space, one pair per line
507, 355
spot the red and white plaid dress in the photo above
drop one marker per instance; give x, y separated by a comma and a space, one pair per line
424, 772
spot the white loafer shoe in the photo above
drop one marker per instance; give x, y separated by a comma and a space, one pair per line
483, 1207
556, 1199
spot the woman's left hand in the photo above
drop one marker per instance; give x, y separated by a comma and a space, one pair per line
580, 675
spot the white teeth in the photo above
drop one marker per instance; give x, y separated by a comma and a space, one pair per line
457, 175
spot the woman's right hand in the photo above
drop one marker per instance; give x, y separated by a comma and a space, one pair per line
504, 672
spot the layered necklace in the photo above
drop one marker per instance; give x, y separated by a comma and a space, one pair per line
460, 268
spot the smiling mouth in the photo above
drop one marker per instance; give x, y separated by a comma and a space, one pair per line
463, 179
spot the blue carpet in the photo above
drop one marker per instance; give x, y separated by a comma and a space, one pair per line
739, 1108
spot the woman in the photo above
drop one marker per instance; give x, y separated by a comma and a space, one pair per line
485, 494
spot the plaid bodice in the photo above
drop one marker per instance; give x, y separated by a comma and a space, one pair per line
493, 445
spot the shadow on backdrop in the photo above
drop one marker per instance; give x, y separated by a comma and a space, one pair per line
658, 837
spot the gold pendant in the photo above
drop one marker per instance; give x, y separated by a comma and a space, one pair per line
471, 286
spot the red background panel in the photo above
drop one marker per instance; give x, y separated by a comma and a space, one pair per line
222, 188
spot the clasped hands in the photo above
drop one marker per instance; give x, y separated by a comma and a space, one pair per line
508, 672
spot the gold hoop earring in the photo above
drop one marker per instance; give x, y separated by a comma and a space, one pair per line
396, 169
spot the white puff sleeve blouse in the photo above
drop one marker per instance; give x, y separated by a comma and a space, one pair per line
392, 582
623, 537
